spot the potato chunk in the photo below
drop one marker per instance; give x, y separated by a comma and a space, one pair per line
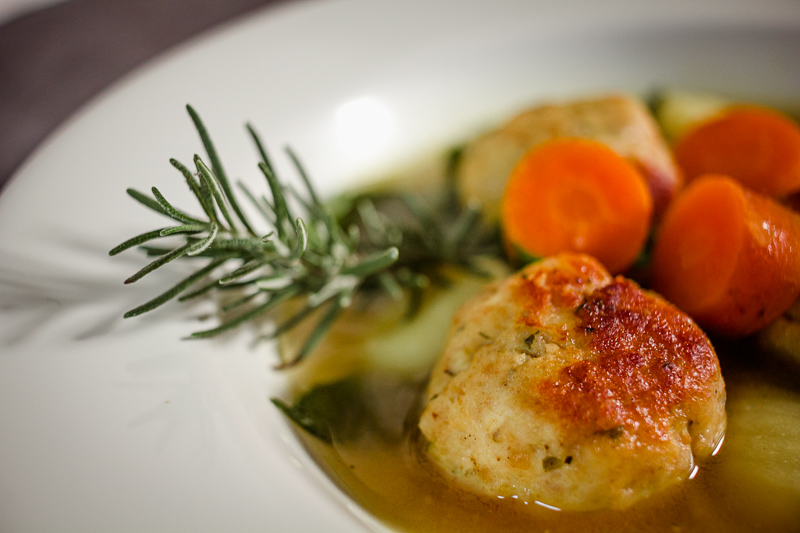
622, 123
566, 386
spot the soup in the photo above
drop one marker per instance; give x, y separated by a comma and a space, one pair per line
358, 396
367, 380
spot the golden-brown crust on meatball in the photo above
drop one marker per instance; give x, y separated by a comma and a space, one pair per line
650, 358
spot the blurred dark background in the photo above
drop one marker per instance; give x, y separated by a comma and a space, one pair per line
55, 55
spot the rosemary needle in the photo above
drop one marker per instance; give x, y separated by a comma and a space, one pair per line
304, 254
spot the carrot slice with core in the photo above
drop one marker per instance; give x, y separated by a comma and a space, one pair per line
576, 195
757, 147
728, 257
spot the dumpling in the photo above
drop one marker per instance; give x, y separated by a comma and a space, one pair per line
565, 386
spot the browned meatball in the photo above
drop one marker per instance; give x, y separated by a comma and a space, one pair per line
566, 386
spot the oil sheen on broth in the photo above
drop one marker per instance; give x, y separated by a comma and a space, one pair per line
380, 369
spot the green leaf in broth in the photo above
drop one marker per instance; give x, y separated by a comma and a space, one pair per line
333, 411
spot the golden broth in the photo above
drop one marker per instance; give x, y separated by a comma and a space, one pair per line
752, 484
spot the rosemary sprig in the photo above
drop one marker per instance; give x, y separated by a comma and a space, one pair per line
305, 253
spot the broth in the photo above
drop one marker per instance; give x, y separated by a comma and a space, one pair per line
382, 468
752, 484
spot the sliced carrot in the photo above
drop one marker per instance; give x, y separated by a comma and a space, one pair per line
756, 146
576, 195
727, 256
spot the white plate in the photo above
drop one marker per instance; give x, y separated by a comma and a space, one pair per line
112, 425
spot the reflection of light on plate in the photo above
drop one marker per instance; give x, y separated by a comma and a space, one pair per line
364, 126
